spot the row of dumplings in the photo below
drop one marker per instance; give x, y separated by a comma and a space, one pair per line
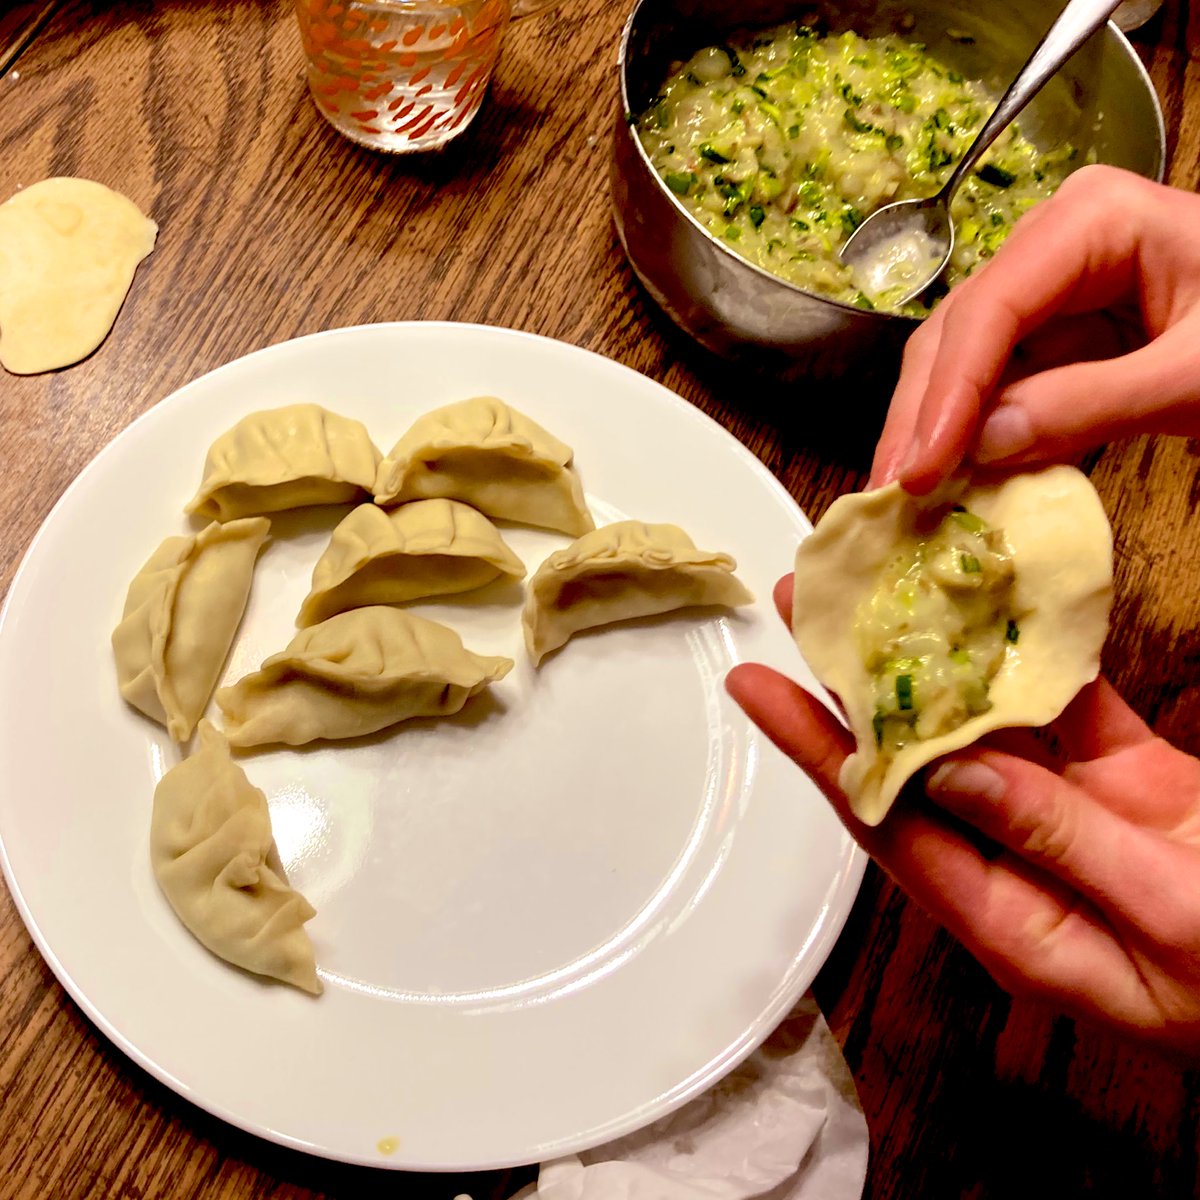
357, 665
480, 451
481, 457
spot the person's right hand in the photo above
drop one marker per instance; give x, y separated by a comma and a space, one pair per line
1017, 364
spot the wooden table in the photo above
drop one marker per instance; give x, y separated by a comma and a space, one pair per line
272, 227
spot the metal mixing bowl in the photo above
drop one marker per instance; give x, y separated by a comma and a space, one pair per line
1102, 102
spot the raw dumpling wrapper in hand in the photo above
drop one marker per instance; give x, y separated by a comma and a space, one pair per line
68, 252
284, 458
491, 457
215, 859
358, 672
181, 613
622, 571
1060, 548
427, 548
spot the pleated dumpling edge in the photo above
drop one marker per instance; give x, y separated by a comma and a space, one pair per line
622, 571
181, 613
213, 855
355, 674
283, 458
423, 548
491, 456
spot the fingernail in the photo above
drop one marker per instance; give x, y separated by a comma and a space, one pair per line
966, 778
1008, 431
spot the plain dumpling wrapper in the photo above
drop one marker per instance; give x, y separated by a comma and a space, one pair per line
215, 860
1061, 545
283, 458
181, 613
68, 252
353, 674
426, 548
622, 571
490, 456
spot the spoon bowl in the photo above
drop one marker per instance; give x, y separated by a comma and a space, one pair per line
900, 249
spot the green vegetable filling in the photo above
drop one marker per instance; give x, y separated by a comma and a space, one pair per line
996, 176
937, 629
785, 139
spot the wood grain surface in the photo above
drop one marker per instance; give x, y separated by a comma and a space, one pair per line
272, 226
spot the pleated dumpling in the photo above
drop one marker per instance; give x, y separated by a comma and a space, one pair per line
181, 612
491, 457
215, 860
622, 571
353, 674
284, 458
427, 548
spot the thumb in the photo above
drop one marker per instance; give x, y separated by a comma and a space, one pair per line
1062, 412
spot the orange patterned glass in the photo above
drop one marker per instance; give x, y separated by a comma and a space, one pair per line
401, 75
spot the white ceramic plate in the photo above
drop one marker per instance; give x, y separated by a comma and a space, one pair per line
540, 924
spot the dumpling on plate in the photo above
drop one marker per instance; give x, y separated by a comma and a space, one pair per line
215, 860
426, 548
284, 458
353, 674
491, 457
938, 619
620, 571
181, 613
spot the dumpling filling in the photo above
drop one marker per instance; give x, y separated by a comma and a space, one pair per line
937, 629
780, 141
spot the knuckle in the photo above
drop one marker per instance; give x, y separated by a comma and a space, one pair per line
1023, 962
1047, 829
1098, 191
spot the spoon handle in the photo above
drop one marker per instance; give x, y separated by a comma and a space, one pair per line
1076, 23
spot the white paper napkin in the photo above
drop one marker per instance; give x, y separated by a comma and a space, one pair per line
785, 1125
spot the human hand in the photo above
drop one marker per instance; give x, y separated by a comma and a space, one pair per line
1017, 364
1087, 895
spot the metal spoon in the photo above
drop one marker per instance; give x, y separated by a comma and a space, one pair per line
920, 233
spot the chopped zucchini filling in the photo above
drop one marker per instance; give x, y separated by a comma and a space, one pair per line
937, 629
784, 140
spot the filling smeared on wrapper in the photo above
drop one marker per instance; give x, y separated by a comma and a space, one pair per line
937, 619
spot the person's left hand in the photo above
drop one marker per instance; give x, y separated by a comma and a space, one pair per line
1088, 894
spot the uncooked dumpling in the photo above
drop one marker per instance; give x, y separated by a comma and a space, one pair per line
936, 620
427, 548
353, 674
215, 859
181, 613
68, 252
621, 571
491, 457
284, 458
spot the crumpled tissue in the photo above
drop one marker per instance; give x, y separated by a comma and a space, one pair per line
785, 1125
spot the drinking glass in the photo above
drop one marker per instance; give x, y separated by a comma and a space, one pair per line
403, 75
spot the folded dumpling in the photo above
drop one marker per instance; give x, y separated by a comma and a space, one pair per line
355, 673
181, 612
215, 860
427, 548
491, 457
621, 571
938, 619
286, 458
